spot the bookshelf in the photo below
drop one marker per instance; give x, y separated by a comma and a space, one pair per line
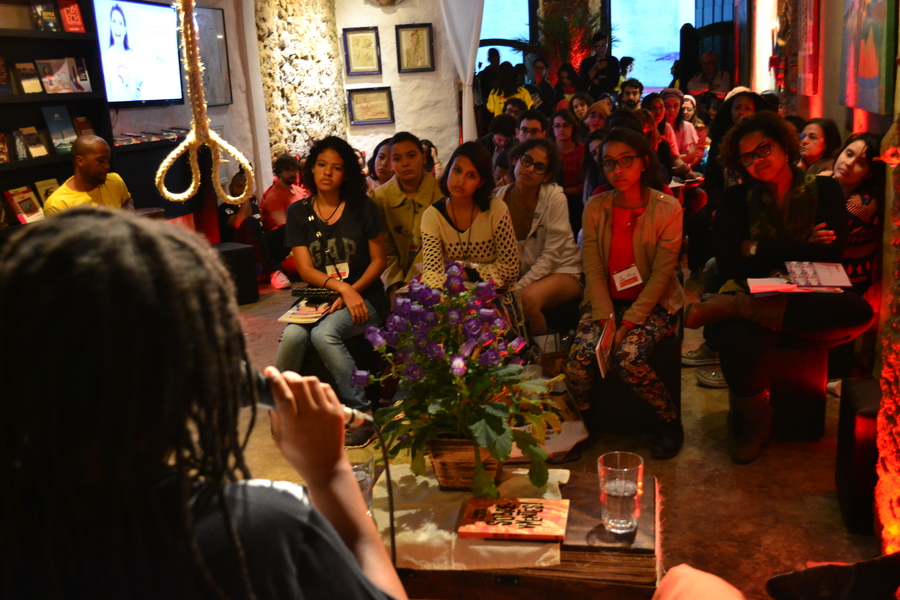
19, 43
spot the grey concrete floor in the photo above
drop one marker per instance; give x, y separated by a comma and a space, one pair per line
742, 523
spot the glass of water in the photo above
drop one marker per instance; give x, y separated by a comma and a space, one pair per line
363, 462
621, 486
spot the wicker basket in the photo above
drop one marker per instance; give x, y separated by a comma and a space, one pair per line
454, 463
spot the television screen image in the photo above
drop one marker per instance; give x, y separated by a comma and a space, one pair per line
139, 51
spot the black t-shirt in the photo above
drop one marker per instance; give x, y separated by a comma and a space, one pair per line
344, 242
291, 551
226, 211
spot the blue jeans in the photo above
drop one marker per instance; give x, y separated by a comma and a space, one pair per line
327, 338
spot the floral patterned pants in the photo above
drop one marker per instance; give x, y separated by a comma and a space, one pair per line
629, 360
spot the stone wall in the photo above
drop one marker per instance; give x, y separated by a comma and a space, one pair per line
301, 73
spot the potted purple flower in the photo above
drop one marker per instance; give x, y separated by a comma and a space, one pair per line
463, 389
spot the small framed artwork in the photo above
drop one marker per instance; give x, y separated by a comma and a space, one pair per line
370, 106
214, 54
362, 51
415, 48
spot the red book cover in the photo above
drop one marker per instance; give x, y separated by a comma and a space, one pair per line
70, 13
24, 204
537, 519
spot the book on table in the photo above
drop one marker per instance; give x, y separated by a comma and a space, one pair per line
803, 277
62, 132
25, 204
531, 519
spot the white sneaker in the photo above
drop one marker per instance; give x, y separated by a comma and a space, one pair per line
279, 280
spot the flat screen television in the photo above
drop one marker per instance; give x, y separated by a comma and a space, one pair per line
139, 52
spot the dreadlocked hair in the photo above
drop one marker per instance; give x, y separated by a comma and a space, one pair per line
119, 412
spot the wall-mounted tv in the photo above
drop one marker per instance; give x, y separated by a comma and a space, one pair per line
139, 51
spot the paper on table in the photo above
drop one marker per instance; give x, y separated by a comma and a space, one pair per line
427, 518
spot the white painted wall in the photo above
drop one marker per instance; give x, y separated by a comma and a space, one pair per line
425, 104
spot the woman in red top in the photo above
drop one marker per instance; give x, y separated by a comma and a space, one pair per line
565, 132
632, 235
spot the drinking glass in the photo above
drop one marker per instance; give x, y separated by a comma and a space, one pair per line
621, 486
363, 462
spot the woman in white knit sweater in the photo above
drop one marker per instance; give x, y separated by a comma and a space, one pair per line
468, 226
549, 260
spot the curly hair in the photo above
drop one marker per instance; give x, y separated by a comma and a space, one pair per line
481, 159
120, 422
722, 121
353, 187
554, 162
769, 124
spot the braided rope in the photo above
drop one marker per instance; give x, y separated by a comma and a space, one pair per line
200, 133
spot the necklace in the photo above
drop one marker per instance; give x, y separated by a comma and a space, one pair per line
456, 227
326, 221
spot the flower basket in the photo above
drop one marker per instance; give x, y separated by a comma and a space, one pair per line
454, 463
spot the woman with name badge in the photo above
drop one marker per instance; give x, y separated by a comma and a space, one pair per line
632, 235
337, 237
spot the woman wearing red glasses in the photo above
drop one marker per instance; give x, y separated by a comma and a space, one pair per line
779, 213
632, 235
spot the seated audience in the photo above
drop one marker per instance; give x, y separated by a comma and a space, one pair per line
243, 224
507, 87
468, 225
661, 146
819, 144
380, 171
401, 203
501, 135
501, 168
710, 78
593, 164
514, 107
779, 213
549, 259
124, 472
433, 164
533, 124
690, 115
92, 184
632, 90
567, 84
578, 106
597, 114
632, 235
337, 237
654, 103
283, 192
685, 134
571, 151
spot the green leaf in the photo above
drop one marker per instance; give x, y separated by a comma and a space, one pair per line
537, 457
482, 483
496, 409
418, 463
483, 433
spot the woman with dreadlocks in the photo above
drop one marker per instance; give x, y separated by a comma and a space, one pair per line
122, 464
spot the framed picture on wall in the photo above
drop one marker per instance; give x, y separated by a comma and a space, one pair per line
867, 56
415, 48
370, 106
214, 54
362, 51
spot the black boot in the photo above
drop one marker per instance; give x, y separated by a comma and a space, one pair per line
669, 439
749, 426
767, 311
875, 579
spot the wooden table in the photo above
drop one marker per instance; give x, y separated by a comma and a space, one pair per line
594, 563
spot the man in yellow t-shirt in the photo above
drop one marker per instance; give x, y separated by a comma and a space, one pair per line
92, 182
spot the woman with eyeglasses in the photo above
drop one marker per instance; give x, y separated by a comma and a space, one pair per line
779, 213
549, 259
632, 235
566, 126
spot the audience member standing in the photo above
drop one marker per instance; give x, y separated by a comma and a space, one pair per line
567, 84
543, 83
710, 78
489, 77
600, 71
507, 87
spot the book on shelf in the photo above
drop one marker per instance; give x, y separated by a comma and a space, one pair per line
54, 75
70, 15
83, 126
305, 312
44, 16
4, 149
21, 146
532, 519
7, 214
25, 204
62, 132
78, 73
28, 78
6, 85
33, 142
45, 188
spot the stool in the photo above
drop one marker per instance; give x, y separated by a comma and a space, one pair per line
797, 383
615, 406
857, 453
240, 260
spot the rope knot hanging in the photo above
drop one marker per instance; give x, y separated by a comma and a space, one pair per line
200, 133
